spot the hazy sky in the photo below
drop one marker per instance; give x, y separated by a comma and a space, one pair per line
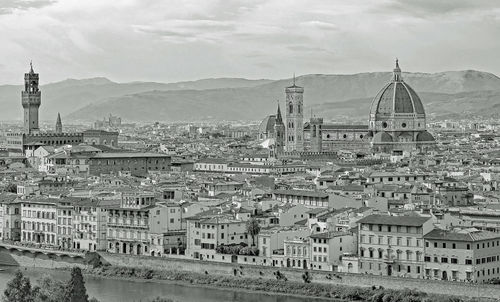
174, 40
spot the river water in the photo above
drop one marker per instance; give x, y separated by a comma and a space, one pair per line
112, 290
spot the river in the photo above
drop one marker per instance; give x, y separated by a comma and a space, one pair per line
113, 290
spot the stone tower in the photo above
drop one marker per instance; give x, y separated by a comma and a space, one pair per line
58, 124
31, 100
294, 125
316, 124
279, 133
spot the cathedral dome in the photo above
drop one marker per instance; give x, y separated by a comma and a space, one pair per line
267, 124
395, 98
425, 136
382, 137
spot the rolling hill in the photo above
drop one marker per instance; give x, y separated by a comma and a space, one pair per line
331, 96
70, 95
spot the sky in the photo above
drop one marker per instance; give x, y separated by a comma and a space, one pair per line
178, 40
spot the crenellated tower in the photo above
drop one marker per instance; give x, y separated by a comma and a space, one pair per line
31, 100
294, 125
315, 129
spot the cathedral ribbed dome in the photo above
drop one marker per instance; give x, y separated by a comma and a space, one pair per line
396, 97
267, 125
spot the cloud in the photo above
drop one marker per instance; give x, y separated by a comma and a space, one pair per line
189, 39
431, 8
320, 25
10, 6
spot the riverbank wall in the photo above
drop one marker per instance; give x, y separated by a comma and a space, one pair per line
236, 270
38, 260
268, 272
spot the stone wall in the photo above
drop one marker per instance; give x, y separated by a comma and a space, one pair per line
267, 272
27, 259
39, 260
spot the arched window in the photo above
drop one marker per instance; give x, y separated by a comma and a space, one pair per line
290, 108
298, 108
314, 131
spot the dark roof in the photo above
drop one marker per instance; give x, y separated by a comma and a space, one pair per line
301, 193
328, 235
344, 127
471, 235
394, 220
129, 155
317, 210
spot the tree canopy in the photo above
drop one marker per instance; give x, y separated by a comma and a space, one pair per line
253, 228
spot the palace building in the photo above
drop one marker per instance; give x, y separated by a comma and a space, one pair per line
31, 138
397, 124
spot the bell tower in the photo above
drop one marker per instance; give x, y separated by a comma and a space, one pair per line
294, 126
31, 100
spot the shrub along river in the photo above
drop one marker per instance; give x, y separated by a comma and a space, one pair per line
117, 290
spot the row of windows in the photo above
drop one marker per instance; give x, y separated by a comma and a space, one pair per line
39, 214
320, 259
483, 245
64, 231
399, 178
317, 240
37, 226
408, 241
319, 249
127, 234
399, 267
452, 260
65, 221
488, 259
296, 251
389, 228
39, 238
408, 255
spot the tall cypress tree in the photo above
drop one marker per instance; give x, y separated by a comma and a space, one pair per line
18, 289
75, 290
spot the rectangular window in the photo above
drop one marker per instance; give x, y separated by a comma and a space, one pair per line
454, 260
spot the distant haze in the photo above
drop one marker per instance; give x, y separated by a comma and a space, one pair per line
458, 94
179, 40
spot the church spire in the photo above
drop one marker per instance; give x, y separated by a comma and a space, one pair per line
58, 123
279, 119
397, 73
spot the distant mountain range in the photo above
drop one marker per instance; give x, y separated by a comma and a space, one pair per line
453, 93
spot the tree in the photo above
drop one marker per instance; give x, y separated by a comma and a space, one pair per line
12, 188
75, 290
50, 290
253, 228
18, 289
